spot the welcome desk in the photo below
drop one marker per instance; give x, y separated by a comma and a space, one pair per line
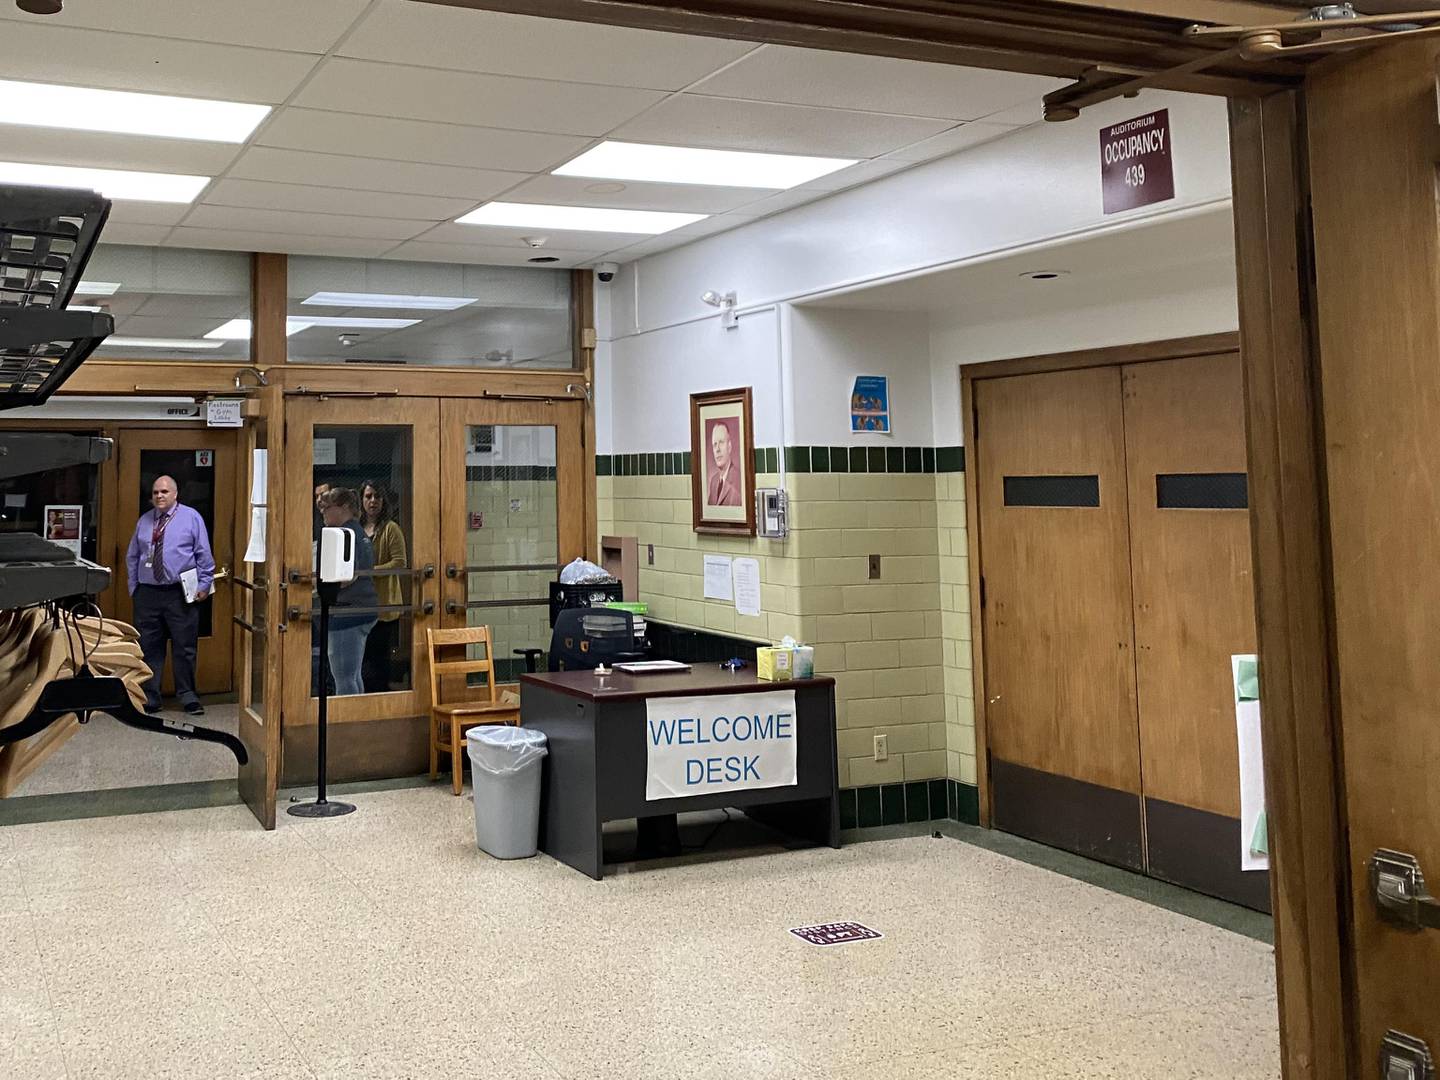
642, 746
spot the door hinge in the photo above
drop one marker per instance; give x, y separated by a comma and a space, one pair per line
982, 592
1401, 897
974, 425
1404, 1057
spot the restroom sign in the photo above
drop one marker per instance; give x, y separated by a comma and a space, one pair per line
707, 745
1136, 168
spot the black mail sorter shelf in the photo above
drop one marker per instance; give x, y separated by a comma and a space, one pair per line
596, 766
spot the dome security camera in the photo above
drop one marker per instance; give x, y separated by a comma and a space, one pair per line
606, 271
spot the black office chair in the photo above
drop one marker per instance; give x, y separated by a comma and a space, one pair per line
585, 638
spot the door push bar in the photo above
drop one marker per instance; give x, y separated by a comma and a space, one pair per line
1400, 893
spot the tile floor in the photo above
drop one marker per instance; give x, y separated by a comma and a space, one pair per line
105, 754
383, 945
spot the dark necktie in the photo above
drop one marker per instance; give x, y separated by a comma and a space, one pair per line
157, 551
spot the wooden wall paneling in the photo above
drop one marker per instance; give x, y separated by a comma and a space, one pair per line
1110, 356
974, 546
1308, 875
1374, 147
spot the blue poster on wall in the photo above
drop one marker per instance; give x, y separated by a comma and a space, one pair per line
870, 404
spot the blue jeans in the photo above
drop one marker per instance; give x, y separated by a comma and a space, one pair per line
347, 650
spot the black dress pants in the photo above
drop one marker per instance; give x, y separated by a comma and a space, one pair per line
161, 615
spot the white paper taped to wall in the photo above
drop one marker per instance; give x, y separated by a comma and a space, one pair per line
255, 550
717, 578
259, 477
746, 573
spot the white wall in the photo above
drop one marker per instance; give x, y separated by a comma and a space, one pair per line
1200, 301
830, 346
1036, 187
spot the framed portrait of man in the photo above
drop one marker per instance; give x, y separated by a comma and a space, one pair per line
722, 457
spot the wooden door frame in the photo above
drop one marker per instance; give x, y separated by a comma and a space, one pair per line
128, 438
302, 415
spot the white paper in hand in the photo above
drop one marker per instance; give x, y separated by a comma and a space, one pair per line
190, 582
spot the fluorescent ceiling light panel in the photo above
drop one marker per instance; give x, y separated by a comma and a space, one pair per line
692, 165
97, 288
159, 343
239, 329
577, 218
79, 108
354, 322
389, 300
111, 183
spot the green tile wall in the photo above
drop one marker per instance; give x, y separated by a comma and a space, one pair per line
799, 459
902, 804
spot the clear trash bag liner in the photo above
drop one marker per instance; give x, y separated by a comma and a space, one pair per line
504, 749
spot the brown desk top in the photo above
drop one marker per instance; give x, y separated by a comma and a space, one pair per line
700, 679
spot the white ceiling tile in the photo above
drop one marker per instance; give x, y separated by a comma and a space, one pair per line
950, 142
862, 173
289, 221
488, 254
371, 174
193, 303
728, 124
1023, 115
500, 236
684, 198
712, 225
416, 140
143, 235
785, 200
128, 212
431, 35
873, 83
266, 24
112, 61
102, 150
245, 240
323, 200
455, 97
188, 325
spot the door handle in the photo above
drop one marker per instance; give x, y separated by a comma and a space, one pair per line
1401, 896
453, 607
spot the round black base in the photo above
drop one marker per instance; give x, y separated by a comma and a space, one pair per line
321, 809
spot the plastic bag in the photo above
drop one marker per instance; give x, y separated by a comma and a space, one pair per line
581, 572
500, 749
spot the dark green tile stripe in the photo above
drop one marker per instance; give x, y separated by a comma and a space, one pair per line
800, 459
903, 804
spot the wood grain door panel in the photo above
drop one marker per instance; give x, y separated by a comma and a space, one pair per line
1059, 663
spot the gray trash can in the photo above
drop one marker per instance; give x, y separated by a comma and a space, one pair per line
505, 767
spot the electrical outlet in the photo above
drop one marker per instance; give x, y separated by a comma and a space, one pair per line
874, 567
882, 747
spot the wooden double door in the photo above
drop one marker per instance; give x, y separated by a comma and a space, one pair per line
1116, 587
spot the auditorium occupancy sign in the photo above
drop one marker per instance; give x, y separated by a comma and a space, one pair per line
1136, 168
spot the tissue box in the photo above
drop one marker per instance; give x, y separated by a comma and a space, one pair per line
774, 664
804, 663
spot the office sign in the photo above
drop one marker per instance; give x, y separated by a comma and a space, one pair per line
707, 745
1135, 164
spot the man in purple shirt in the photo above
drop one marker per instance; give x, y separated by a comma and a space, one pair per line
169, 540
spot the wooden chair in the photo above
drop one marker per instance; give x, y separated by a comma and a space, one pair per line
450, 720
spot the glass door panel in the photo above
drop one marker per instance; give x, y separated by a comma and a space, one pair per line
367, 459
512, 475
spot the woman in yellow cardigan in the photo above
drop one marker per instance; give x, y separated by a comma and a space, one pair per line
377, 514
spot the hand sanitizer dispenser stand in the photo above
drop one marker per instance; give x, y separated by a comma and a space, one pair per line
336, 567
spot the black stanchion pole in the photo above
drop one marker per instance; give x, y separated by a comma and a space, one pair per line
322, 807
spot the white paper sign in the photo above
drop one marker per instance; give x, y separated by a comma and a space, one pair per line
747, 586
706, 745
255, 550
1252, 773
324, 452
13, 501
223, 412
259, 477
717, 578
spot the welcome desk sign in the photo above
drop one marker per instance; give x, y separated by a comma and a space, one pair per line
731, 742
